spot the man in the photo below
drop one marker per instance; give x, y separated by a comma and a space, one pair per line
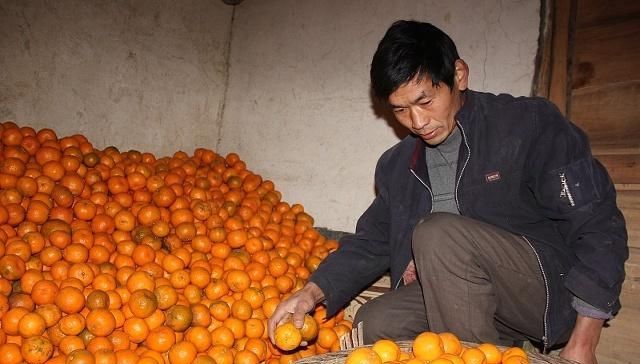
493, 218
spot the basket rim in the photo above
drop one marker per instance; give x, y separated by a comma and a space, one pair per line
338, 357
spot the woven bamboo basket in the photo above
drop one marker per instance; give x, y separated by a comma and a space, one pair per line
338, 357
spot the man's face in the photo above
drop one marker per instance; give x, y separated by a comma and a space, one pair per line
429, 111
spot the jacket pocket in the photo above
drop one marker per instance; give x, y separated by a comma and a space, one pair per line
568, 188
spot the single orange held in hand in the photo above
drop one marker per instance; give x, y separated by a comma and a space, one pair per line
287, 336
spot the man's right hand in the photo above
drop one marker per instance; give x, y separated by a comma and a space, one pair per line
297, 305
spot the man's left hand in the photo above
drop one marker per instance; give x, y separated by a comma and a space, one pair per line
583, 341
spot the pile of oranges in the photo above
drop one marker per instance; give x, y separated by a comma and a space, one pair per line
433, 348
122, 257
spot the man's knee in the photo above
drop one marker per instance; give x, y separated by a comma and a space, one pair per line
434, 229
397, 315
373, 326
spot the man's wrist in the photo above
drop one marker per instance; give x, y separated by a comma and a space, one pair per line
315, 292
586, 332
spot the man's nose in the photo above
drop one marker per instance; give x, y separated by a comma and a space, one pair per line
418, 119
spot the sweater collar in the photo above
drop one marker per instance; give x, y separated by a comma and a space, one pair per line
463, 115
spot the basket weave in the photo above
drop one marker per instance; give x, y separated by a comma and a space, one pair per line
338, 357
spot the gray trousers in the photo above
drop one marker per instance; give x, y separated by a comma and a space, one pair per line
475, 280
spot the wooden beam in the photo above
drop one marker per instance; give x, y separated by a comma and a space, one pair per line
629, 204
561, 53
593, 12
542, 76
623, 168
609, 114
606, 54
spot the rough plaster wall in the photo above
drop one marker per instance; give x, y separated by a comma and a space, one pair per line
147, 75
298, 107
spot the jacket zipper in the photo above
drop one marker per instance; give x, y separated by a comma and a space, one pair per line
430, 194
545, 336
464, 138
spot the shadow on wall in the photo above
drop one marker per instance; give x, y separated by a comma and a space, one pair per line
383, 111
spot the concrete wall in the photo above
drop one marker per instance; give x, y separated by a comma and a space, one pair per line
152, 76
298, 106
147, 75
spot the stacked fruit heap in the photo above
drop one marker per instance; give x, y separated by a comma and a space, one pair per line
432, 348
112, 257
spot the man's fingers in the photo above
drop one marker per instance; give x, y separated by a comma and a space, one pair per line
273, 322
298, 318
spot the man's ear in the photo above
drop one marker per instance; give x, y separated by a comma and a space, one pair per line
461, 76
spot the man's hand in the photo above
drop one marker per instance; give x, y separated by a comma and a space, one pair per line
297, 305
583, 341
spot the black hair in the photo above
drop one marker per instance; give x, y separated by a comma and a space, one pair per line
409, 49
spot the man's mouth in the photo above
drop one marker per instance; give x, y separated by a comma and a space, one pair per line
428, 135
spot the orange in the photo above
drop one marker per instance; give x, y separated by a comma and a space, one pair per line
455, 359
222, 336
363, 356
237, 280
12, 267
287, 336
309, 329
327, 338
241, 309
160, 339
513, 351
254, 296
11, 319
254, 328
441, 360
220, 310
142, 303
236, 326
386, 349
414, 360
221, 354
97, 299
50, 313
10, 353
491, 352
166, 296
70, 343
36, 349
246, 357
473, 356
31, 324
199, 337
183, 352
100, 322
178, 318
516, 359
72, 324
105, 356
452, 344
428, 346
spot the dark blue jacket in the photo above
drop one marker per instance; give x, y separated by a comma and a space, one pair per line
522, 167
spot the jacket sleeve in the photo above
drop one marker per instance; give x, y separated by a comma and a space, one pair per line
361, 257
575, 190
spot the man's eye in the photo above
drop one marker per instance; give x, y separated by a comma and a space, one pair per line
399, 110
426, 103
